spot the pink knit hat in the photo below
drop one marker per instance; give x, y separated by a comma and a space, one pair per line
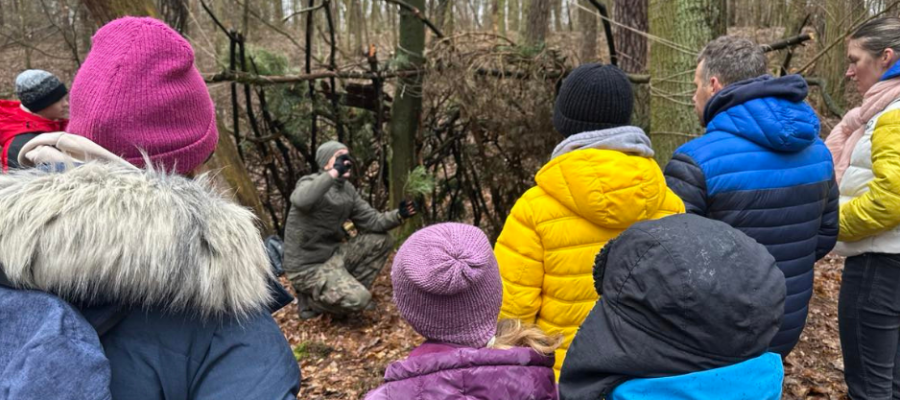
138, 90
447, 284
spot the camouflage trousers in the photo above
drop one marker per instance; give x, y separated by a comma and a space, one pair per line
341, 285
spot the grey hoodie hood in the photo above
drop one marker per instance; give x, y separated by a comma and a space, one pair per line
112, 233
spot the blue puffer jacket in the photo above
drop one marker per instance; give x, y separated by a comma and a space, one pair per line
758, 379
762, 168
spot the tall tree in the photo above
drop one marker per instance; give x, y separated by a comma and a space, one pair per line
557, 15
538, 22
685, 23
407, 108
587, 21
632, 49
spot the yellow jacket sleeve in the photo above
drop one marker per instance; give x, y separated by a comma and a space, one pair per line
878, 210
520, 256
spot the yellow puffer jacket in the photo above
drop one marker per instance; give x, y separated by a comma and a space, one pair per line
547, 248
870, 189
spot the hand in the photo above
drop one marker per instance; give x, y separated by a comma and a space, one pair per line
408, 209
342, 165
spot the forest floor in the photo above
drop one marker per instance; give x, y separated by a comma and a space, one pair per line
344, 359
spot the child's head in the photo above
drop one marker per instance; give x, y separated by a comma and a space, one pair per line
43, 94
592, 98
138, 91
447, 284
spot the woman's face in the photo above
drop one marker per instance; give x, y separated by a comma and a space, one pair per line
866, 69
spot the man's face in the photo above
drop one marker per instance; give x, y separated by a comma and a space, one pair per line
703, 94
57, 111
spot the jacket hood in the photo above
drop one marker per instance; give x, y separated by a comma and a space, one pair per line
15, 121
107, 232
768, 111
607, 187
671, 289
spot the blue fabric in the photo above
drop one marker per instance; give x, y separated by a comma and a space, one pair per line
156, 355
47, 350
762, 168
892, 72
756, 379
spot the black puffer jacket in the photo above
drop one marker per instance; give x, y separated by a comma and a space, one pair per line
679, 295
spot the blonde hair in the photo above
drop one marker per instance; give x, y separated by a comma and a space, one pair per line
513, 333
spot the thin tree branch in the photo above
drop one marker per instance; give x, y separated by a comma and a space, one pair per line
216, 20
785, 43
829, 102
418, 14
305, 10
262, 80
273, 27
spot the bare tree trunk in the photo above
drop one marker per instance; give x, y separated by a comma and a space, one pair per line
538, 22
686, 23
557, 15
587, 22
24, 31
633, 56
407, 108
277, 11
441, 13
514, 15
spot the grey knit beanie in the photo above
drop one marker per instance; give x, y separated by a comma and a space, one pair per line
38, 89
326, 151
592, 98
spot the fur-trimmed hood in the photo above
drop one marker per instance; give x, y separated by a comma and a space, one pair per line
104, 232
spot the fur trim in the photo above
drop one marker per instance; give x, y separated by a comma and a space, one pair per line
107, 232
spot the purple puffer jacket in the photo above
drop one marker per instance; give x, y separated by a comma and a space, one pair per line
436, 371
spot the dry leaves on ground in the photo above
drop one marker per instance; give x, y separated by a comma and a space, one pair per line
344, 359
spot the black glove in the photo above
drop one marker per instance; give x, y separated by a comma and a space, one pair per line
342, 164
408, 209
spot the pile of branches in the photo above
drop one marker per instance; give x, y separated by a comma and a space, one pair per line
487, 125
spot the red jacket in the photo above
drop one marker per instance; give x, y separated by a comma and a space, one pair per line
15, 121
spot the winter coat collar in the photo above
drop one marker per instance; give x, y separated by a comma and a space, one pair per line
627, 139
767, 111
109, 233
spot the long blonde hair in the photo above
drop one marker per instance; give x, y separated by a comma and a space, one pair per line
513, 333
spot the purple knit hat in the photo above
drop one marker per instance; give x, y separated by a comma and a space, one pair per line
447, 284
138, 90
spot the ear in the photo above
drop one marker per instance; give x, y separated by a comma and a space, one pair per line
715, 84
888, 57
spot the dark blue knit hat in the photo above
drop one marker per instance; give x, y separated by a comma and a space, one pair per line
593, 97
